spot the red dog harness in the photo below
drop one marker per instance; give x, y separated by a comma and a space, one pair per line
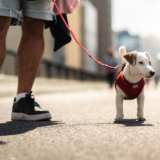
131, 90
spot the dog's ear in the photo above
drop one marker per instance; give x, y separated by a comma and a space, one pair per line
147, 54
131, 57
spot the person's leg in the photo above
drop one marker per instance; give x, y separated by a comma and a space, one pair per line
8, 9
4, 25
30, 53
29, 56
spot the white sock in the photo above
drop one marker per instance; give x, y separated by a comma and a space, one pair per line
21, 95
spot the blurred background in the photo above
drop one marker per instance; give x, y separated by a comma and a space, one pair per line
102, 27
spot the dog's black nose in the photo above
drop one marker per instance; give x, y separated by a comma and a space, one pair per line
152, 73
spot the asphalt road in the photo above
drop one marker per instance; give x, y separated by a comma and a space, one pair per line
82, 127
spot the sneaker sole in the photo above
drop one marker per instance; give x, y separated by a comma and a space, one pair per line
26, 117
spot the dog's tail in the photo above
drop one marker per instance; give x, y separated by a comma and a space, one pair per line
122, 51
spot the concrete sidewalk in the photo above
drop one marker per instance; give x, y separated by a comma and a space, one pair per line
82, 127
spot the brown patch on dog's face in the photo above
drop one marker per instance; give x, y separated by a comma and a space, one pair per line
149, 58
131, 57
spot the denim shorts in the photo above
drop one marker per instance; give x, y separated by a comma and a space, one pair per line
16, 9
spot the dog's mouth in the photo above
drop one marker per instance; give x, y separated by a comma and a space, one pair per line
146, 76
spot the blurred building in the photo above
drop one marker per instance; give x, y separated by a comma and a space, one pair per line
151, 45
131, 42
84, 23
104, 29
134, 42
91, 23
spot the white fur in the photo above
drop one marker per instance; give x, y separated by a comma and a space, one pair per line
133, 74
122, 51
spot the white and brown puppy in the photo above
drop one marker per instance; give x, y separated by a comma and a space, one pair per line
138, 66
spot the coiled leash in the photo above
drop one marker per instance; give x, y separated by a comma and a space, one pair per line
105, 65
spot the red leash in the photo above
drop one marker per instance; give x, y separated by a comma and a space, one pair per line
105, 65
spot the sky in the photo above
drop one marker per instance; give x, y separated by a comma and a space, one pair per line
140, 17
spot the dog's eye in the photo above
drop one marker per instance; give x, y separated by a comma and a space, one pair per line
140, 62
150, 63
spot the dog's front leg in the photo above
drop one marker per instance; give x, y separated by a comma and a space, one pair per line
140, 109
119, 107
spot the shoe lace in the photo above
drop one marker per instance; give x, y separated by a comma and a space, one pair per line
31, 100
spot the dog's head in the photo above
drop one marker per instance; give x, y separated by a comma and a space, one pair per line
141, 63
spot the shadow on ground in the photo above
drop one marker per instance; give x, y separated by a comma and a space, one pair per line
19, 127
1, 142
133, 123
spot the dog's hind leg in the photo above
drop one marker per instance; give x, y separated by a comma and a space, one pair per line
140, 109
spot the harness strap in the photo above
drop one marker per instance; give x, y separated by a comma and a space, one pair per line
105, 65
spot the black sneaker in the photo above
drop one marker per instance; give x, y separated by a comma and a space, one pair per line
29, 110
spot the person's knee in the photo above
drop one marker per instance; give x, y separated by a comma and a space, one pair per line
32, 28
4, 25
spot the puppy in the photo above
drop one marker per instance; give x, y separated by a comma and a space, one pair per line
130, 81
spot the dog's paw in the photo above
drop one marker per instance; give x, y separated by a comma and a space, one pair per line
142, 118
119, 119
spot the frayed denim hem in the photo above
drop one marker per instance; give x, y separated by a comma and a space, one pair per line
8, 12
39, 14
